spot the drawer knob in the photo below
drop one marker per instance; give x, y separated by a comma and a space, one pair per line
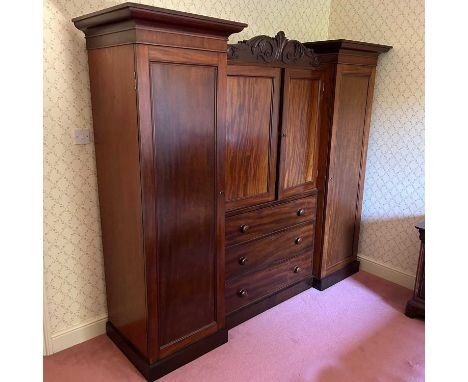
244, 228
298, 240
242, 293
301, 212
242, 260
297, 269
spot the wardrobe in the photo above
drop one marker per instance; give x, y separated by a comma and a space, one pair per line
297, 126
230, 177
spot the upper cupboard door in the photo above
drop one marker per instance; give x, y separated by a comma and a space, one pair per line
300, 131
251, 135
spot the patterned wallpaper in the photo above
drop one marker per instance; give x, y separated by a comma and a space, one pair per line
394, 187
73, 262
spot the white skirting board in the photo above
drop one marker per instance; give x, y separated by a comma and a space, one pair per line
95, 327
387, 272
77, 334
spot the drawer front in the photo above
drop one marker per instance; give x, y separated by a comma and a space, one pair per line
246, 257
244, 290
257, 223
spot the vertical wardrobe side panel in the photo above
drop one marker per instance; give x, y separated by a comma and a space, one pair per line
347, 164
113, 97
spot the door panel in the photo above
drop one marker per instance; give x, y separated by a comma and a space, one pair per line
345, 174
251, 135
299, 135
184, 126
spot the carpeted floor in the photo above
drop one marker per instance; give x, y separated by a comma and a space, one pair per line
353, 331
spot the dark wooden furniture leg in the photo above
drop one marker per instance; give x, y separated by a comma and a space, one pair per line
415, 306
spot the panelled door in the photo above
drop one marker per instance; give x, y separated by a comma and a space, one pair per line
348, 150
302, 94
183, 91
251, 135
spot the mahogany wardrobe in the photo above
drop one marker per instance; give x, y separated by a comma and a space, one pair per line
230, 177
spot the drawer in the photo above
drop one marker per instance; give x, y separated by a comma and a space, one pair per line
246, 257
257, 223
243, 290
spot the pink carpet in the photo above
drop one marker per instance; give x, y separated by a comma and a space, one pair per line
353, 331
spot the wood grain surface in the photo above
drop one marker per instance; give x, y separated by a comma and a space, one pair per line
266, 220
184, 134
251, 135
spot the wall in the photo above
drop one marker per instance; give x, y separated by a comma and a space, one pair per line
394, 188
75, 304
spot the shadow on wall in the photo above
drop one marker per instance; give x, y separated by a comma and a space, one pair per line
391, 242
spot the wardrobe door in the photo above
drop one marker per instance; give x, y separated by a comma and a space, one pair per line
185, 102
348, 150
251, 135
300, 131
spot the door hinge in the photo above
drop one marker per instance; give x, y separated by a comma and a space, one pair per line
135, 80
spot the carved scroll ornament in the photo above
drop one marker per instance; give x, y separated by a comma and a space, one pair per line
269, 50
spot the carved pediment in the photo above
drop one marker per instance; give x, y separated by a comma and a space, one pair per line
273, 50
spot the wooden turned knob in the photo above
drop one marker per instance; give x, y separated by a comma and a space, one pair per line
242, 260
242, 293
301, 212
244, 228
297, 269
298, 240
